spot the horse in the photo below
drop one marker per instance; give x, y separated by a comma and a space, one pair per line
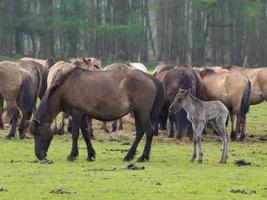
17, 89
200, 113
128, 90
139, 66
231, 88
172, 79
258, 79
39, 75
60, 68
46, 63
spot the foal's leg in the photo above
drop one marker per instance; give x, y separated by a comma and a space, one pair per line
219, 126
86, 137
138, 137
76, 123
200, 129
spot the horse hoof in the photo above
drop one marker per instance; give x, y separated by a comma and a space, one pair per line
127, 159
200, 161
22, 136
142, 159
71, 158
242, 137
9, 137
192, 160
89, 159
223, 162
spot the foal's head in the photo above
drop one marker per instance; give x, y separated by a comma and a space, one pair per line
179, 101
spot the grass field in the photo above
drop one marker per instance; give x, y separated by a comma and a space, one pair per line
168, 174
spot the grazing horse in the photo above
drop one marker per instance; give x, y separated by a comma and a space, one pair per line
174, 78
231, 88
200, 113
17, 89
128, 90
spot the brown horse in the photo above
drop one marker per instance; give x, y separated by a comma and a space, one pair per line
231, 88
39, 75
127, 90
173, 79
258, 79
17, 89
46, 63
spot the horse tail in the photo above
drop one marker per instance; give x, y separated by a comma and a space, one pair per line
26, 96
244, 108
158, 102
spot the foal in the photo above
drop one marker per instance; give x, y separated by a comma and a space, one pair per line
199, 113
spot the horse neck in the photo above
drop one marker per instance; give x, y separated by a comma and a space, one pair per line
47, 110
190, 104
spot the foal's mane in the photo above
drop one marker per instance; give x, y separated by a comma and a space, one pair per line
206, 72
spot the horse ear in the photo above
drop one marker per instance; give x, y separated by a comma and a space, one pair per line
36, 122
84, 60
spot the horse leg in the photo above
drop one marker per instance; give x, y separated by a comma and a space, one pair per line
242, 127
171, 128
62, 123
220, 128
104, 127
163, 118
1, 111
86, 136
69, 125
148, 128
199, 132
76, 124
90, 127
114, 125
120, 124
233, 131
138, 137
195, 143
14, 120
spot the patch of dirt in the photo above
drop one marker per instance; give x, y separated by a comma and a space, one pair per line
59, 191
243, 191
120, 150
3, 189
15, 161
134, 167
103, 170
240, 163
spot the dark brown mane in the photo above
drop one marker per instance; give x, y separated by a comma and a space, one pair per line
59, 79
206, 72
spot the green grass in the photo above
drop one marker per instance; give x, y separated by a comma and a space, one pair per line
168, 174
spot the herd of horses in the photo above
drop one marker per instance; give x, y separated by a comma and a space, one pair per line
192, 99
